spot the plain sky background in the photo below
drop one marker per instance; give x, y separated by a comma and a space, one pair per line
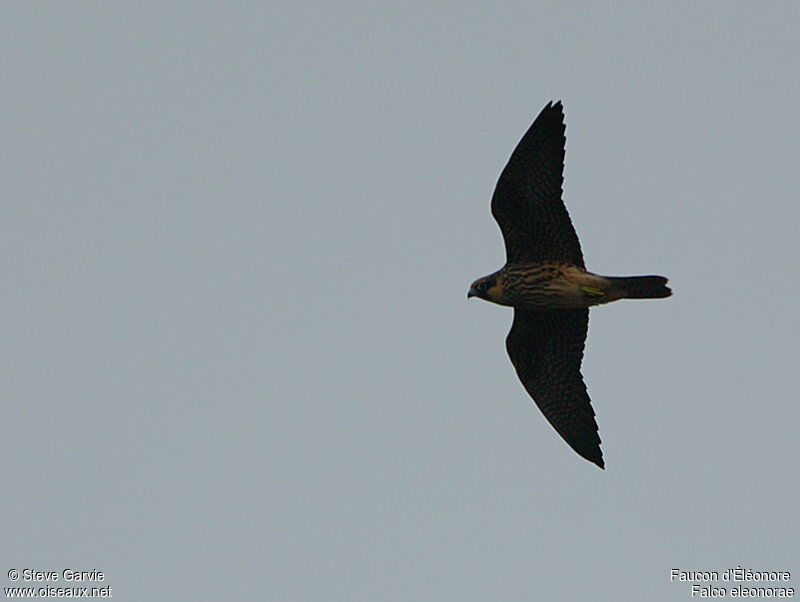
237, 358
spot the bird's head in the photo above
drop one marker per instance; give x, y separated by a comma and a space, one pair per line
488, 288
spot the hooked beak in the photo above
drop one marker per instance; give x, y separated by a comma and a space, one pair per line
472, 293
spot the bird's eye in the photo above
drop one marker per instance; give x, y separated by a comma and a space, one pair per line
482, 286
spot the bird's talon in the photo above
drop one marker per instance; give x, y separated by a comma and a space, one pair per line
592, 292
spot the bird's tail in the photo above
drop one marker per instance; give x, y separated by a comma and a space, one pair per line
640, 287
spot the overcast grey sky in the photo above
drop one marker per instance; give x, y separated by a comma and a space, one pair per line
237, 359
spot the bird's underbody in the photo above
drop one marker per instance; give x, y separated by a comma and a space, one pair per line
546, 283
550, 285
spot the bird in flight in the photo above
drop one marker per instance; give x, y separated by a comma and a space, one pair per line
545, 281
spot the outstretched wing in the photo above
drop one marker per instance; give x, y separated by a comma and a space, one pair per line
546, 348
527, 199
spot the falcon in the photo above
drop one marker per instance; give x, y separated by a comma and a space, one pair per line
546, 282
